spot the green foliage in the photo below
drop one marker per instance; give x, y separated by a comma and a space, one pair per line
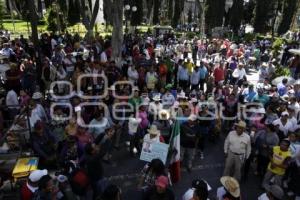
248, 37
277, 44
178, 34
42, 22
191, 35
55, 21
1, 14
214, 11
289, 9
73, 12
282, 71
263, 12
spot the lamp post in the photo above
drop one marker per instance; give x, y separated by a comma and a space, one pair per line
128, 11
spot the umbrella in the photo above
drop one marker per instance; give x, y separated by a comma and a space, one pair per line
280, 78
295, 51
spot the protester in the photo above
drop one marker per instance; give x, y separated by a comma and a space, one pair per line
46, 190
160, 191
278, 163
237, 149
169, 87
31, 185
230, 189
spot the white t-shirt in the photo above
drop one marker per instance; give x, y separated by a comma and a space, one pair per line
103, 57
239, 73
188, 195
284, 128
132, 74
12, 98
220, 193
263, 197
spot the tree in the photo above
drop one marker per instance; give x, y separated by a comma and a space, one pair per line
89, 11
117, 34
170, 9
73, 12
262, 14
137, 17
55, 21
289, 9
178, 7
214, 12
190, 16
157, 4
33, 22
1, 13
236, 15
249, 11
107, 9
63, 5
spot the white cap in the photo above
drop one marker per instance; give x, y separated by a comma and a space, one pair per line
285, 113
36, 175
37, 95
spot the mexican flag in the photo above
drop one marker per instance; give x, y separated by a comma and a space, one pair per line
174, 152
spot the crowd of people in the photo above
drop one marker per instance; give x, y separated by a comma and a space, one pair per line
74, 106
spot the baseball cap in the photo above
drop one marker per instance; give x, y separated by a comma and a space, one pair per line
162, 181
36, 175
284, 113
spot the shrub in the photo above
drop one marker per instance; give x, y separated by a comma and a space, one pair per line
282, 71
190, 35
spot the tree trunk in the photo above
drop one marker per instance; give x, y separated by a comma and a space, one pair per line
117, 34
89, 20
33, 22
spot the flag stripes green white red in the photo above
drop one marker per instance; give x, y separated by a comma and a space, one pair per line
174, 166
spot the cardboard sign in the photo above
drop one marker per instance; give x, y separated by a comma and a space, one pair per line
153, 150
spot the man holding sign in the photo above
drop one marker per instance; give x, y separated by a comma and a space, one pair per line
153, 146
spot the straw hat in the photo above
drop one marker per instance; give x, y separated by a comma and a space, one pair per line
153, 130
231, 185
241, 124
164, 115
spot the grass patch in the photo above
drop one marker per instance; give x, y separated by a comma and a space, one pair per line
18, 27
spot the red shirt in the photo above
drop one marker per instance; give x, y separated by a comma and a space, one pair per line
219, 74
26, 193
